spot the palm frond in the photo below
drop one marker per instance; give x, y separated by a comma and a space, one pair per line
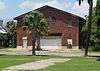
80, 1
90, 2
36, 20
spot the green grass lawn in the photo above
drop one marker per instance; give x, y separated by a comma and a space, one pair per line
6, 61
76, 64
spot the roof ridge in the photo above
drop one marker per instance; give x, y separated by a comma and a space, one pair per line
49, 7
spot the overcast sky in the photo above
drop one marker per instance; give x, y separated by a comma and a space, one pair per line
12, 8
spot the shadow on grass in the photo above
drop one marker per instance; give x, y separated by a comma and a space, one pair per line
2, 55
93, 56
97, 57
38, 55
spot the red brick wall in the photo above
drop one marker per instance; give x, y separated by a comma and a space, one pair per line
22, 33
60, 26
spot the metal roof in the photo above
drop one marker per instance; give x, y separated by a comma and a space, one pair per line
2, 30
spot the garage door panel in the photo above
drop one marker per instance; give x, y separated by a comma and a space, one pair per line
52, 43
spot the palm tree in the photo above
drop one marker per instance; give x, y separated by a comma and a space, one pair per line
38, 25
90, 2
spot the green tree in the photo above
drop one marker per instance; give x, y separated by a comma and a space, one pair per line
93, 29
3, 35
97, 24
11, 30
3, 39
90, 2
36, 23
84, 31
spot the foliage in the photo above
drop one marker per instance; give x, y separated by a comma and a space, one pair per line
90, 2
3, 36
36, 20
95, 28
12, 45
98, 19
11, 30
96, 47
97, 25
3, 39
11, 27
85, 26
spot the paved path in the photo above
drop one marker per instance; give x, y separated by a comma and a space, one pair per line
36, 65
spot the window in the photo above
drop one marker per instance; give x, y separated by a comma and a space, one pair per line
54, 19
69, 33
24, 28
69, 21
51, 21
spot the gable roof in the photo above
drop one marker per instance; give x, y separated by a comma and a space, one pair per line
49, 8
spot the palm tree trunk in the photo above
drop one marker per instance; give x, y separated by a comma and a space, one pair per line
38, 42
89, 27
13, 40
33, 41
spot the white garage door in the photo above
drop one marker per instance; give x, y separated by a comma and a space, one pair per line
53, 42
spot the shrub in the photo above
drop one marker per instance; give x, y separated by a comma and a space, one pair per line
96, 47
12, 45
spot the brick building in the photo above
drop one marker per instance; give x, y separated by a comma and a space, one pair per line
63, 27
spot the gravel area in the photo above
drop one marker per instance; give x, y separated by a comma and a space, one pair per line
65, 53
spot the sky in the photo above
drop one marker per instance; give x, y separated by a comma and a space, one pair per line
13, 8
